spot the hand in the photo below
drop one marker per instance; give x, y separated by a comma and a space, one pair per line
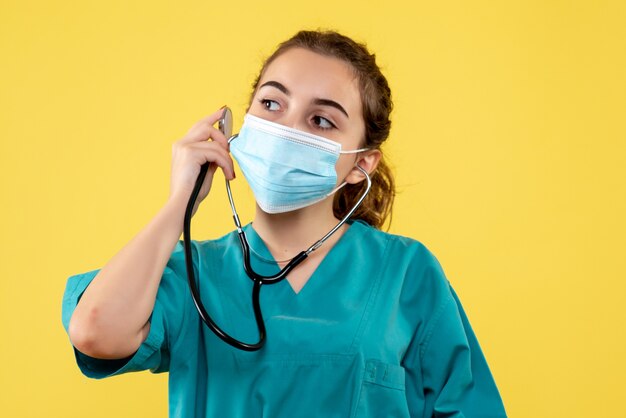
203, 143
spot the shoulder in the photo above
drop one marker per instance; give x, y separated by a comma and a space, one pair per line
173, 296
411, 271
401, 251
200, 250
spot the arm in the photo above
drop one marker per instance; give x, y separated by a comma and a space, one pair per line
111, 319
446, 371
457, 380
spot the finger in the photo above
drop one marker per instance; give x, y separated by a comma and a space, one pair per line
218, 136
214, 153
200, 130
202, 133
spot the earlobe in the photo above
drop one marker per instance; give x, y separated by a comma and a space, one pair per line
368, 161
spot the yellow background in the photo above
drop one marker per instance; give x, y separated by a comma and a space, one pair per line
507, 142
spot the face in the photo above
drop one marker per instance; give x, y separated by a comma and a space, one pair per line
317, 94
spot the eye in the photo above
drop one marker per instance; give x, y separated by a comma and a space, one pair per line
271, 105
322, 123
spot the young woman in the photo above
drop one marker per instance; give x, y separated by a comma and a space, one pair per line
366, 326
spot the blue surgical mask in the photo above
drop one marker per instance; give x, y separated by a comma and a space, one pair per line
286, 168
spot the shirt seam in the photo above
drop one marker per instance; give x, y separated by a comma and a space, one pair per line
431, 329
185, 304
370, 302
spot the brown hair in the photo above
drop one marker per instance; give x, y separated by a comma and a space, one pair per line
377, 106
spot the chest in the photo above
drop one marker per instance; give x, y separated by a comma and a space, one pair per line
337, 304
341, 336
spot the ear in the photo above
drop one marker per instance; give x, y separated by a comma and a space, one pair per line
367, 160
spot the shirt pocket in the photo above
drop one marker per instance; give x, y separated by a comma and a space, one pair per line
382, 391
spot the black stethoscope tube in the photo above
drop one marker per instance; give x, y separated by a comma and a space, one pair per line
195, 294
258, 279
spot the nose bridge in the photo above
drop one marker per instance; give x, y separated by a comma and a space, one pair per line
294, 118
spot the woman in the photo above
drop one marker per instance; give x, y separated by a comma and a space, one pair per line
366, 326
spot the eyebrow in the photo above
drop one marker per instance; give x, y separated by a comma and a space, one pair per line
332, 103
317, 101
278, 85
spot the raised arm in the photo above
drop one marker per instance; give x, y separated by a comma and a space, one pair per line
111, 319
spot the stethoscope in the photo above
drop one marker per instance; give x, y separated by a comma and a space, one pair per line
258, 279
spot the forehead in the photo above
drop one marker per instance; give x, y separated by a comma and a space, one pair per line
310, 74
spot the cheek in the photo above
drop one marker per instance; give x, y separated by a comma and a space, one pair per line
343, 167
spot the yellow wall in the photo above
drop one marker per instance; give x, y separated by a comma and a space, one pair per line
507, 141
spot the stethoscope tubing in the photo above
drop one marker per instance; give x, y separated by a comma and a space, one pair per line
259, 280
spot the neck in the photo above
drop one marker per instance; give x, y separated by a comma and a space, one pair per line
286, 234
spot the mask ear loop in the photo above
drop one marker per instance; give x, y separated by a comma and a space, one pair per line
354, 151
348, 215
